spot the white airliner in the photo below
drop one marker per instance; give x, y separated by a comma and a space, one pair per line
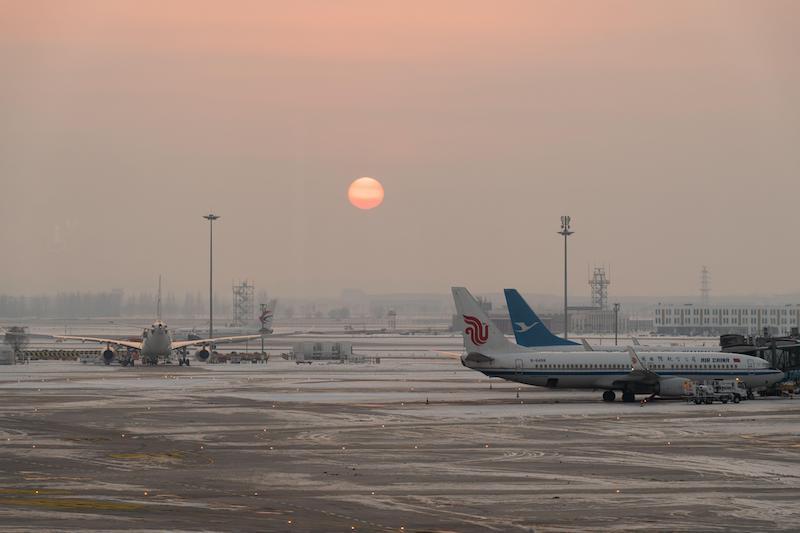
157, 343
665, 374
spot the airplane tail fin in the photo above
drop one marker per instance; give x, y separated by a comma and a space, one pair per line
529, 330
481, 335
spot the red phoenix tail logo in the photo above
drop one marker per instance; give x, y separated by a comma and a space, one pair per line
478, 331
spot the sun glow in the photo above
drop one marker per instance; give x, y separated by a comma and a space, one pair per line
365, 193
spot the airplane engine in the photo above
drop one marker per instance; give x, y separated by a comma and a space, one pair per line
203, 354
109, 354
674, 387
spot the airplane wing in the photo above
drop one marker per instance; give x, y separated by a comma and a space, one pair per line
586, 345
216, 340
639, 372
127, 344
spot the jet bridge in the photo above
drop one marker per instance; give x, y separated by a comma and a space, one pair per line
782, 353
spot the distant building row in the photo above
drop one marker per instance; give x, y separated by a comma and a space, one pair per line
717, 320
582, 321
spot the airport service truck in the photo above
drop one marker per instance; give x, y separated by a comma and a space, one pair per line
720, 390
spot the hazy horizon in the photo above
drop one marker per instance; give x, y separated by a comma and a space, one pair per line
668, 131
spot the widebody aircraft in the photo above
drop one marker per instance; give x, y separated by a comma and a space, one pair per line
157, 343
665, 374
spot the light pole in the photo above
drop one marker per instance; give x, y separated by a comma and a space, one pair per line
566, 233
616, 322
211, 217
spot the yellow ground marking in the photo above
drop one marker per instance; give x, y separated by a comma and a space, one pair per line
70, 503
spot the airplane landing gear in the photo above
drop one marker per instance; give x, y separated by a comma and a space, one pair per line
628, 396
609, 396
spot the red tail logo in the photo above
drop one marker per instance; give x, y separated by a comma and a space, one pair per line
478, 331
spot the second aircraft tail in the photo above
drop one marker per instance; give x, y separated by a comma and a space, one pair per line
529, 330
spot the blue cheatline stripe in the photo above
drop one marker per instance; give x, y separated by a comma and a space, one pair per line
624, 373
557, 372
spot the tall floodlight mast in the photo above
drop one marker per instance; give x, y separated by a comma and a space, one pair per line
211, 217
565, 231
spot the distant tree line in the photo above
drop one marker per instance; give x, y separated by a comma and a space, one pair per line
113, 303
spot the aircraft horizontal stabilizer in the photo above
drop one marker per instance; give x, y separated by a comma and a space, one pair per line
476, 357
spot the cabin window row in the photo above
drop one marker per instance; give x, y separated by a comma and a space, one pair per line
654, 366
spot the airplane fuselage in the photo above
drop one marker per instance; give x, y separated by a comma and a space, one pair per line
609, 370
156, 341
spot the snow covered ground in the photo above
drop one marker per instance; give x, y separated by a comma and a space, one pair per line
419, 444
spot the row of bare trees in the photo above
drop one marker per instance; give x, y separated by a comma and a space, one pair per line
107, 304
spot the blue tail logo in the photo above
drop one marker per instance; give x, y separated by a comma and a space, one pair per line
528, 328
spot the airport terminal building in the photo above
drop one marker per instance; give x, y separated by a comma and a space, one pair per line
709, 320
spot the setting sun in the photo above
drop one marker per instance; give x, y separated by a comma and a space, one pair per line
365, 193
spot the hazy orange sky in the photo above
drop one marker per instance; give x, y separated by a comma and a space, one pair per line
667, 130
